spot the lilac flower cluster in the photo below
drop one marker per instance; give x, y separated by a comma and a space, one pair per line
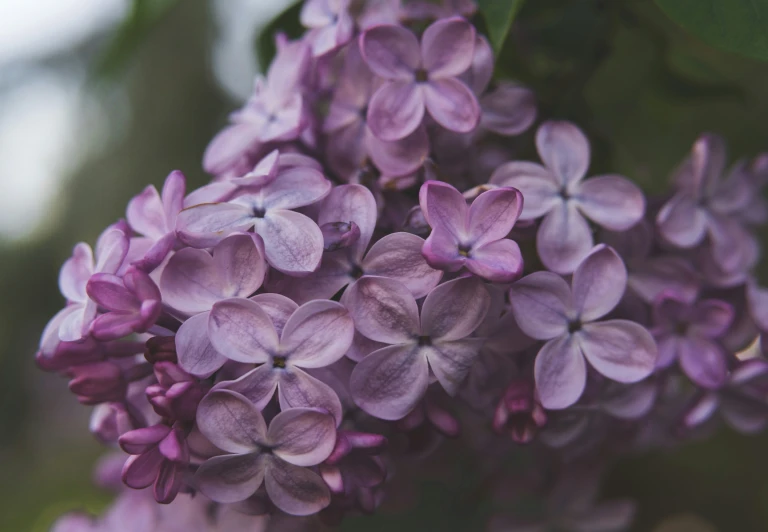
370, 265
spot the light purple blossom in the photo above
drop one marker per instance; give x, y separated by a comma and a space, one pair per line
558, 192
421, 76
472, 236
315, 335
546, 308
688, 333
330, 23
278, 456
389, 382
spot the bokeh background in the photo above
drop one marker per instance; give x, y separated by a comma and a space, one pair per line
99, 98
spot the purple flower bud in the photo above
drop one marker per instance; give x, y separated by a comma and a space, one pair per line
161, 349
519, 413
339, 235
177, 394
98, 382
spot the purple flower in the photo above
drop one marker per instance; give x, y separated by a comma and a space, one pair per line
193, 280
73, 322
154, 217
421, 76
176, 394
519, 413
330, 24
707, 204
315, 335
397, 256
279, 456
473, 237
159, 457
509, 109
546, 308
559, 193
687, 332
389, 382
133, 303
293, 243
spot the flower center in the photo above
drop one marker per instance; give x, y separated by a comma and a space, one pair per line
258, 212
421, 76
574, 326
278, 362
356, 271
464, 250
425, 341
681, 328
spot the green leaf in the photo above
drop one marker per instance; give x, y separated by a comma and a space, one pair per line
739, 26
286, 22
499, 15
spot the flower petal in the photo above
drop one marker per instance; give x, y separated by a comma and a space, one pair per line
333, 275
711, 318
621, 350
398, 256
598, 283
295, 490
145, 214
351, 203
293, 243
611, 201
317, 334
258, 385
189, 282
230, 478
493, 214
194, 350
560, 372
241, 331
444, 207
299, 389
206, 225
541, 192
389, 382
278, 307
703, 361
239, 262
75, 273
451, 361
400, 157
383, 309
231, 422
564, 238
441, 251
391, 51
141, 470
508, 110
499, 261
396, 109
564, 149
448, 47
302, 436
453, 310
682, 222
295, 187
541, 303
452, 104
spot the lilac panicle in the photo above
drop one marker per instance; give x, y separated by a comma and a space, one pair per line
371, 263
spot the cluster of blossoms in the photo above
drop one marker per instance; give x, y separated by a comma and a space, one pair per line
371, 270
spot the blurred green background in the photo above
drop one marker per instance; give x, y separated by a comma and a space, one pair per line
142, 92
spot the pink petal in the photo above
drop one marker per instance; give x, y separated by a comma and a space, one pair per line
174, 188
563, 239
621, 350
317, 334
298, 389
140, 470
452, 104
389, 382
704, 362
230, 146
598, 283
258, 385
383, 309
398, 256
231, 422
682, 222
444, 207
391, 51
194, 350
241, 331
109, 291
493, 214
441, 251
451, 361
295, 490
293, 243
302, 436
448, 47
611, 201
453, 310
480, 72
541, 303
712, 318
145, 214
230, 478
190, 281
499, 261
332, 276
396, 109
564, 149
111, 249
239, 262
278, 307
207, 224
561, 373
508, 110
541, 192
351, 203
400, 157
75, 273
294, 188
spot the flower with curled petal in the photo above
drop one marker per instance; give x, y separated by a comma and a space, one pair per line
559, 193
278, 456
421, 76
472, 236
389, 382
293, 243
546, 308
688, 332
315, 335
